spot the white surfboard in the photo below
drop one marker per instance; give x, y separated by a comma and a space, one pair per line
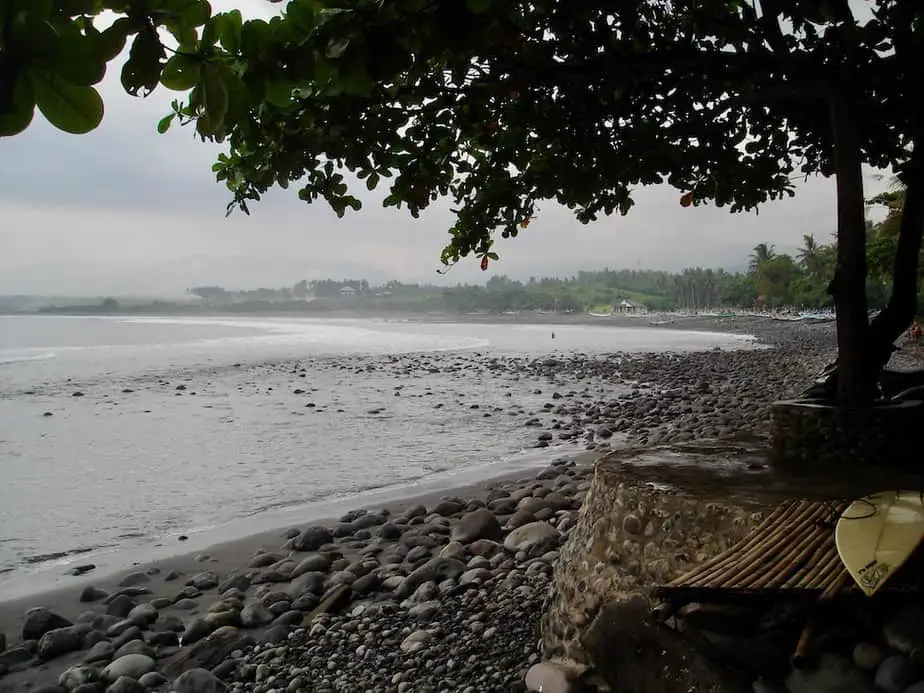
876, 534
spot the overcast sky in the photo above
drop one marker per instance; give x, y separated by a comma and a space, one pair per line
124, 210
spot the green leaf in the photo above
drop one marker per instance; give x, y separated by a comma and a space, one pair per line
303, 14
77, 58
231, 31
279, 94
214, 98
337, 48
197, 13
254, 37
181, 72
142, 70
356, 80
22, 109
164, 123
372, 181
112, 39
211, 31
70, 107
478, 6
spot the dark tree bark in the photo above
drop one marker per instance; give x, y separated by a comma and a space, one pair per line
903, 303
855, 385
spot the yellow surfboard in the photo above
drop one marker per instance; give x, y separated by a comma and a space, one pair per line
876, 534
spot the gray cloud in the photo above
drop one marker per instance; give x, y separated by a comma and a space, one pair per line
125, 210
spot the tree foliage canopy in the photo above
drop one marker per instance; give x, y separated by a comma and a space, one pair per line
497, 105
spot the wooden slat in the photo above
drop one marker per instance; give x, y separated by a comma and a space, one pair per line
791, 552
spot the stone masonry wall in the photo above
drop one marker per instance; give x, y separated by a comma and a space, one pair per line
804, 433
629, 537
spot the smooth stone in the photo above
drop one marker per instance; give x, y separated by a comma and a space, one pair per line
120, 605
132, 665
867, 656
904, 632
93, 594
205, 580
234, 581
895, 674
255, 616
311, 564
77, 675
58, 642
100, 652
198, 681
533, 535
425, 610
549, 678
312, 538
453, 549
143, 615
152, 679
478, 524
416, 641
39, 621
435, 569
134, 647
125, 684
135, 579
833, 674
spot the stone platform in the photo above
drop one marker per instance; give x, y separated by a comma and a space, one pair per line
651, 516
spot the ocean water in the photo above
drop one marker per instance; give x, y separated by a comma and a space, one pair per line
119, 432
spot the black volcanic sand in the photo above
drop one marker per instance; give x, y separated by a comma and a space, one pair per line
441, 595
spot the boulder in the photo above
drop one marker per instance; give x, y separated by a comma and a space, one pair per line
895, 674
78, 675
478, 524
39, 621
125, 684
311, 564
205, 580
58, 642
312, 538
234, 581
208, 652
93, 594
544, 677
436, 569
131, 665
536, 537
198, 681
831, 674
255, 616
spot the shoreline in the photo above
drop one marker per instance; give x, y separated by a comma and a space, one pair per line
160, 580
251, 530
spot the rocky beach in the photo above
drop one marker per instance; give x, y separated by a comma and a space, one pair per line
443, 593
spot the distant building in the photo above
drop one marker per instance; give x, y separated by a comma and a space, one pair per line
347, 291
625, 306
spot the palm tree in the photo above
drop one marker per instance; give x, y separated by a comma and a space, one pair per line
763, 253
809, 254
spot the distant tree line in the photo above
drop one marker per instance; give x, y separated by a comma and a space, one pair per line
772, 280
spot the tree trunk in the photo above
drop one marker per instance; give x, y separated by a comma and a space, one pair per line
903, 303
855, 385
